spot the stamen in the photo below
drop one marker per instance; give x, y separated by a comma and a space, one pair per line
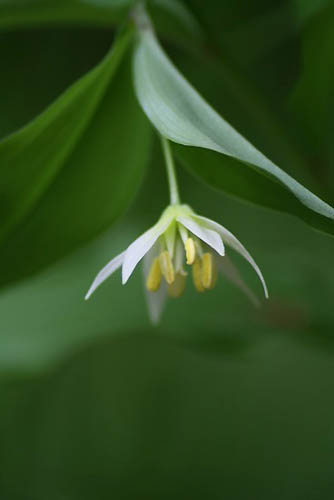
190, 251
209, 272
177, 288
197, 275
154, 277
167, 267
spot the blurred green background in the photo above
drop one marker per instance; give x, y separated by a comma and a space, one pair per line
221, 400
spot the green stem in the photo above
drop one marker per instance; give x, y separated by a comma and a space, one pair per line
171, 173
141, 18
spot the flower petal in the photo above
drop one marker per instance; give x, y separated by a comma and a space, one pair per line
226, 266
110, 268
209, 236
155, 300
234, 243
136, 251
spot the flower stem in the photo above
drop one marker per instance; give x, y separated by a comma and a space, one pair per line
171, 173
140, 17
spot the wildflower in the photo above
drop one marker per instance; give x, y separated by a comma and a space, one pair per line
180, 240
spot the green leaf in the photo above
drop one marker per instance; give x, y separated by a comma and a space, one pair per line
22, 13
26, 93
315, 114
306, 10
183, 116
72, 171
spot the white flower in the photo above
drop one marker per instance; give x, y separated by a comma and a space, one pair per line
180, 236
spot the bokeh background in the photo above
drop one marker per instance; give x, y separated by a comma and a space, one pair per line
220, 400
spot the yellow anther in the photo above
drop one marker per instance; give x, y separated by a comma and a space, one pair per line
209, 272
177, 288
167, 267
190, 251
197, 275
153, 281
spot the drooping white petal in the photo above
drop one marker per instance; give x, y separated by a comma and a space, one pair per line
234, 243
155, 300
209, 236
226, 266
110, 268
136, 251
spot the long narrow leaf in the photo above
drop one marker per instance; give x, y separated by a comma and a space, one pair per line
179, 113
24, 13
73, 170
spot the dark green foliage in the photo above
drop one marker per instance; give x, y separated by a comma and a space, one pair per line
220, 400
